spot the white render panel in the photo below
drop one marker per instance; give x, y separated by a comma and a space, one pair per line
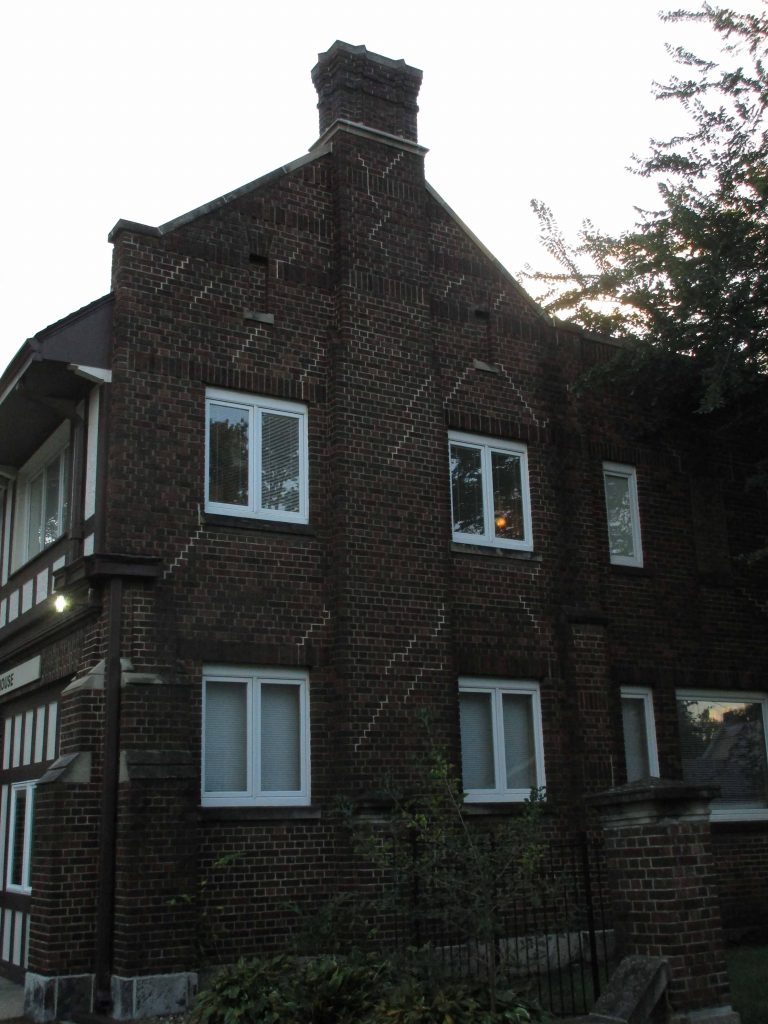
3, 837
27, 593
7, 744
59, 563
29, 719
92, 449
88, 544
7, 924
3, 612
50, 751
13, 606
16, 756
41, 591
18, 926
39, 733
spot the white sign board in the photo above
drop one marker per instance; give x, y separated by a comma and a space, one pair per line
20, 675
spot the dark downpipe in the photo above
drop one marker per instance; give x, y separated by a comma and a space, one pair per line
105, 911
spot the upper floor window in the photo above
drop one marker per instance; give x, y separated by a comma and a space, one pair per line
41, 502
489, 492
256, 457
47, 494
723, 743
640, 752
255, 736
502, 749
623, 514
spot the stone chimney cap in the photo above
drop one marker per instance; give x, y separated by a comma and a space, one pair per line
362, 51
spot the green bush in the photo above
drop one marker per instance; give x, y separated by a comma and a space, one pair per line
335, 990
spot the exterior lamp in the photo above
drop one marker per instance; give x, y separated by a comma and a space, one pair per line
61, 603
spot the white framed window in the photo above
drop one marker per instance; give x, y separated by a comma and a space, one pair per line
255, 737
19, 867
502, 747
723, 743
490, 500
256, 457
640, 751
41, 501
623, 514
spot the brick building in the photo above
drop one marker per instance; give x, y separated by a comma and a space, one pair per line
313, 464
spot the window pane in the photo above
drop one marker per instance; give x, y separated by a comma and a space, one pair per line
476, 741
226, 739
35, 520
17, 839
619, 509
507, 496
280, 462
228, 455
635, 738
723, 743
51, 515
519, 749
467, 490
280, 738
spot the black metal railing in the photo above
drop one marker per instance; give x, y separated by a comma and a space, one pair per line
548, 935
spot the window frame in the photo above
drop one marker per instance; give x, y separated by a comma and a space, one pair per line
645, 695
497, 688
253, 795
257, 405
487, 446
25, 886
629, 473
724, 809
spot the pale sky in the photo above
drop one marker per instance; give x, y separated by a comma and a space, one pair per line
149, 108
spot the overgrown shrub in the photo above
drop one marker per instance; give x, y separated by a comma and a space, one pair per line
334, 990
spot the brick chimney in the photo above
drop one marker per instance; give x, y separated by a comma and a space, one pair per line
356, 85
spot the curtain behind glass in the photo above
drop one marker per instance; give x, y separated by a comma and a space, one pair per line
280, 738
475, 720
226, 737
635, 738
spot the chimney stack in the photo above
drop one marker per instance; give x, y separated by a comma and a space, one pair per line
356, 85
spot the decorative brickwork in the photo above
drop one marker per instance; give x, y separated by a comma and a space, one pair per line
344, 284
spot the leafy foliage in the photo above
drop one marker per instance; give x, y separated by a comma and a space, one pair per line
687, 287
453, 876
335, 990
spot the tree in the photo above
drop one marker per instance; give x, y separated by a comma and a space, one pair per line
687, 286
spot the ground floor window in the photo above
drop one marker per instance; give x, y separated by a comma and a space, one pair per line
640, 752
255, 736
723, 743
19, 871
502, 750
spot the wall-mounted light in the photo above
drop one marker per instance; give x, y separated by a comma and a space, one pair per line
61, 602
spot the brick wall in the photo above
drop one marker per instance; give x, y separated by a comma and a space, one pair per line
392, 326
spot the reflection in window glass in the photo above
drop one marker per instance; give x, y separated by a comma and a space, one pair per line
466, 490
228, 460
507, 496
722, 743
280, 462
619, 509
